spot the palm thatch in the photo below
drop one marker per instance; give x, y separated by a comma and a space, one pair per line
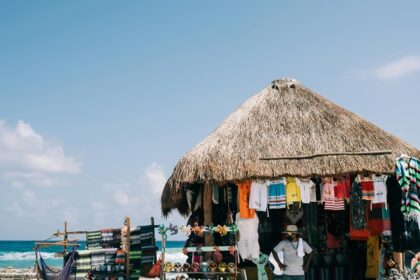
285, 120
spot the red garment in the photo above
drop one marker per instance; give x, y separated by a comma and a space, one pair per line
368, 190
333, 242
342, 188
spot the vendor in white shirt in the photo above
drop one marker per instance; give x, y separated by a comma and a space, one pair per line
294, 249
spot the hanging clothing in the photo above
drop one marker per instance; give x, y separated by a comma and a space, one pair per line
310, 226
380, 192
244, 193
215, 194
331, 202
357, 207
318, 189
372, 254
342, 187
261, 262
328, 190
408, 176
335, 205
248, 246
378, 219
307, 190
277, 194
258, 198
394, 194
368, 191
292, 191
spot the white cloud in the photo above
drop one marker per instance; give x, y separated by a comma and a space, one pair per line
122, 198
20, 179
26, 158
153, 178
140, 200
23, 148
397, 69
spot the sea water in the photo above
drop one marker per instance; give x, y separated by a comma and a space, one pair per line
20, 254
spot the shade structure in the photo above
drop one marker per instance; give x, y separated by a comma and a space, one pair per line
285, 130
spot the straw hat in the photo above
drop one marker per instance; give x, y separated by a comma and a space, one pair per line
291, 229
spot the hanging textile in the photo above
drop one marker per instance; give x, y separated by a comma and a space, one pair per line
331, 201
368, 191
408, 175
342, 187
244, 193
307, 190
394, 194
292, 191
49, 274
277, 194
310, 224
357, 207
261, 262
378, 219
372, 254
258, 198
248, 246
380, 191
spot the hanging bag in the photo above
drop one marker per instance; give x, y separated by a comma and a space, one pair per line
156, 268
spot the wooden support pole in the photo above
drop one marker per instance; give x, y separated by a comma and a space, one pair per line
127, 223
152, 222
65, 242
208, 214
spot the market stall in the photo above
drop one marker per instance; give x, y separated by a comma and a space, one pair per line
289, 156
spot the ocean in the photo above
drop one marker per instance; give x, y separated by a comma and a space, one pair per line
20, 254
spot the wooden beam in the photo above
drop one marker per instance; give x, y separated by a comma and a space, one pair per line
297, 157
58, 233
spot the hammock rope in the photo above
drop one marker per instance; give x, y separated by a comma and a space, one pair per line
48, 274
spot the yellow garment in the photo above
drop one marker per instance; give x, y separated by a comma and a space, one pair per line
372, 266
244, 192
292, 191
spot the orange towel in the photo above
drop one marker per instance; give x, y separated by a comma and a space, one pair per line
244, 192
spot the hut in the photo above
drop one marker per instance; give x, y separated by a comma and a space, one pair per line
284, 130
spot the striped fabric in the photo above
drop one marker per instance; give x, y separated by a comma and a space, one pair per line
277, 195
368, 190
408, 175
335, 204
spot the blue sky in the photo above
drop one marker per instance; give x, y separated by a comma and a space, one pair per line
99, 99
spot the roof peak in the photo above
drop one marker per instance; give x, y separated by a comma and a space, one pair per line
286, 81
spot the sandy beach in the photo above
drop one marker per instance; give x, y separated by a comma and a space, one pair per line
26, 274
15, 273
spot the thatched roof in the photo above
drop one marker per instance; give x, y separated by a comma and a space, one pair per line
284, 119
